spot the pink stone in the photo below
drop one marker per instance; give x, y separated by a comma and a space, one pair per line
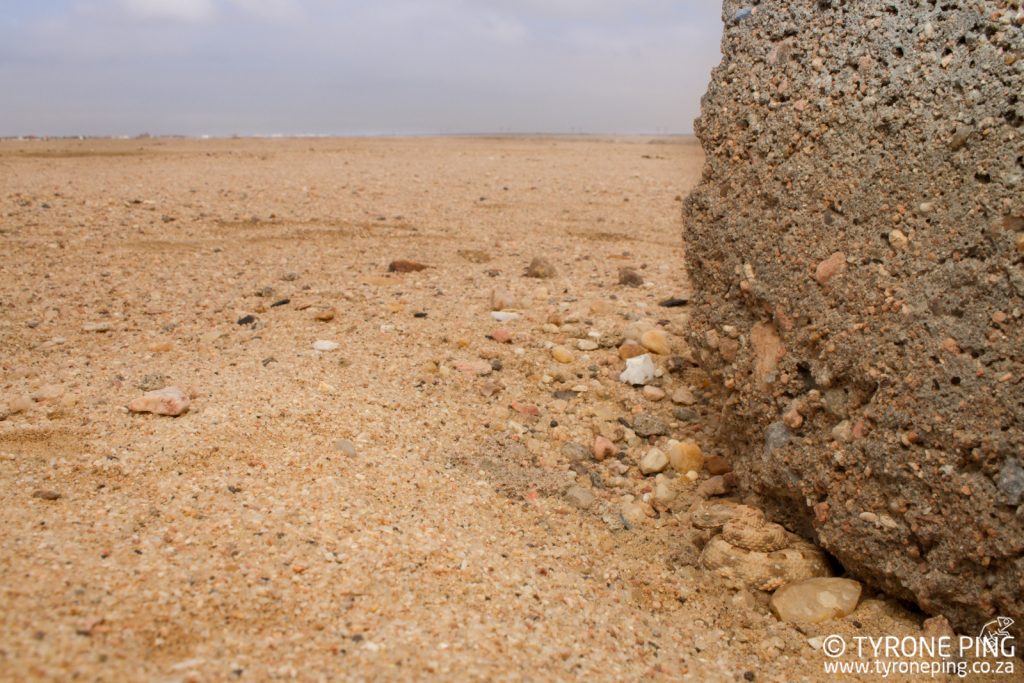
167, 401
829, 268
525, 408
476, 367
603, 448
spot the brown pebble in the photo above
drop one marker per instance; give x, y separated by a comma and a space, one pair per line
44, 494
630, 277
501, 335
821, 512
540, 267
405, 266
631, 350
716, 465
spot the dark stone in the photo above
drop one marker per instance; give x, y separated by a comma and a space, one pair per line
630, 277
404, 266
647, 425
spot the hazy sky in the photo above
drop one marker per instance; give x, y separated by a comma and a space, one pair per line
122, 67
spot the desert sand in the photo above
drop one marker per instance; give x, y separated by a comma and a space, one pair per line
391, 509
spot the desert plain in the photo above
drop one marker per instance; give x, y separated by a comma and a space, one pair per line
414, 501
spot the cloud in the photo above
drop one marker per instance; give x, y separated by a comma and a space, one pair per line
351, 66
189, 11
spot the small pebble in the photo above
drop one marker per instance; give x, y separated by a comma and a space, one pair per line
504, 316
639, 370
683, 396
326, 345
656, 341
793, 419
843, 432
170, 401
898, 240
575, 451
587, 345
653, 462
603, 448
325, 314
562, 354
685, 457
540, 267
829, 268
630, 277
631, 349
685, 414
579, 497
247, 320
647, 425
44, 494
816, 600
717, 465
525, 409
96, 327
502, 335
475, 367
405, 266
652, 393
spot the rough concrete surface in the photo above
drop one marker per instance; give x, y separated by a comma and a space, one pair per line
857, 249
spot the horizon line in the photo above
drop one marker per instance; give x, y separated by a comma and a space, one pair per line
313, 136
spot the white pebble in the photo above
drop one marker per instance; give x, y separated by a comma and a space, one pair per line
639, 370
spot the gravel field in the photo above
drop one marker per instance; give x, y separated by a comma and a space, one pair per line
417, 500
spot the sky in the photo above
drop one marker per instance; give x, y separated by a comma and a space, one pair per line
320, 67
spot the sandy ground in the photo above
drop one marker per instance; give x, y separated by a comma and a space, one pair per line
241, 541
